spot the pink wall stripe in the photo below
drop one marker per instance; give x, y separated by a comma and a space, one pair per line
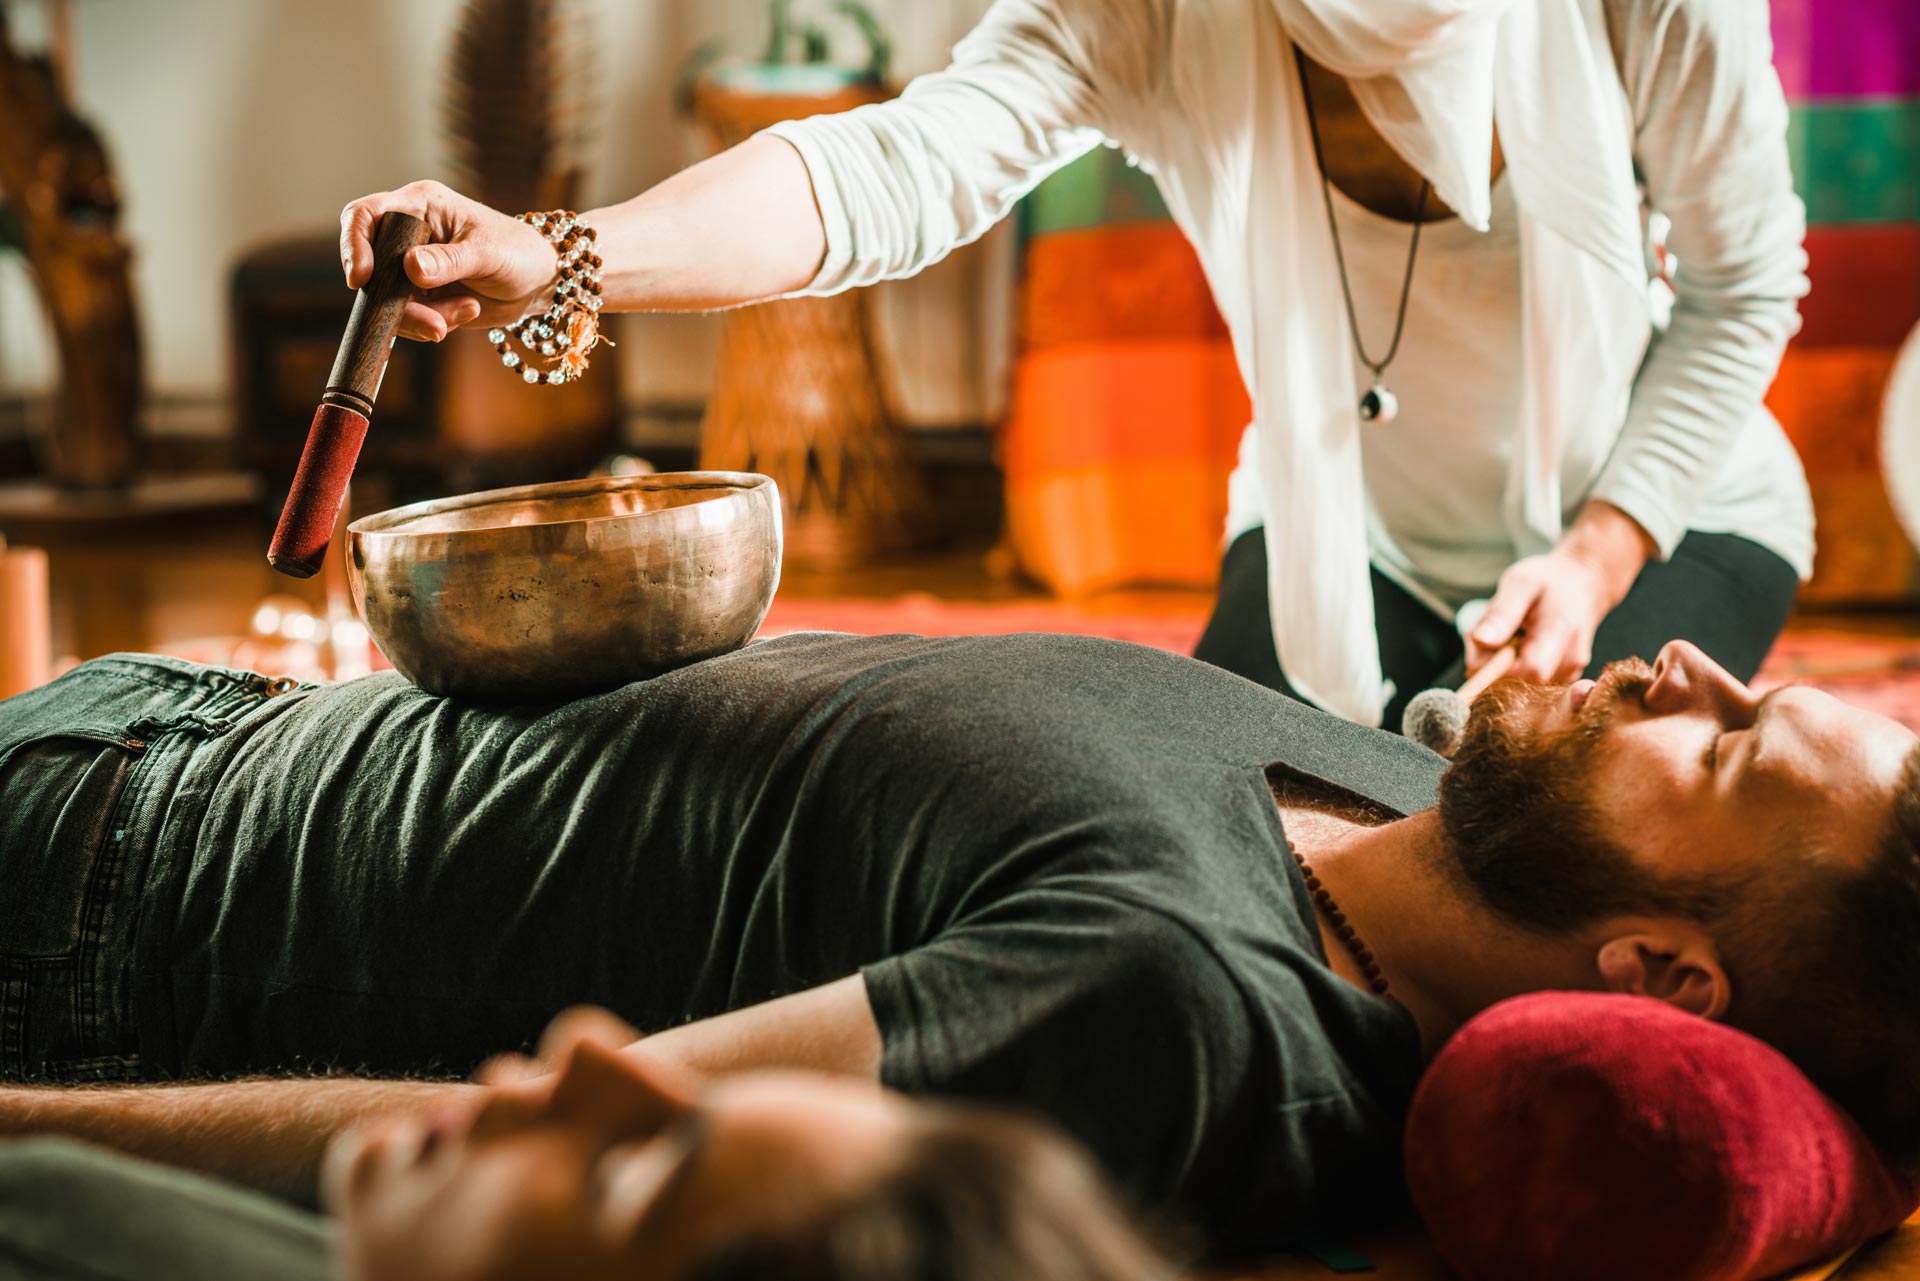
1852, 49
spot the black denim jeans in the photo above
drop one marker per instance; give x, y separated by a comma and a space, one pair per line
96, 769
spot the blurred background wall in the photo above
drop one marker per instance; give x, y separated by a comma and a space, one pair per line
231, 122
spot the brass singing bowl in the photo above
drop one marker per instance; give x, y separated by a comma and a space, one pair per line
550, 591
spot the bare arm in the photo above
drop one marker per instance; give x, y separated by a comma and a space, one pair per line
823, 1029
266, 1133
732, 230
271, 1133
881, 193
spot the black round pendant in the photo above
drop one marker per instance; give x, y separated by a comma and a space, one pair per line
1379, 405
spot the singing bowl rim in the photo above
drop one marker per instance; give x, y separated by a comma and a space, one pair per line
394, 522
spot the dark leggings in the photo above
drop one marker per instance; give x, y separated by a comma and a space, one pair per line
1726, 594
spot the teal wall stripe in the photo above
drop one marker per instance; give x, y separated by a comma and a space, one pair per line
1857, 162
1098, 190
1852, 162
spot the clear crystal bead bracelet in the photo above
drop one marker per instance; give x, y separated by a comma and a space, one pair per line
569, 329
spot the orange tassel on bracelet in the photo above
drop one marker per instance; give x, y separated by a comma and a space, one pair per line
569, 329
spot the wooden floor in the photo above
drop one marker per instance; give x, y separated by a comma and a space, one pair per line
152, 583
155, 582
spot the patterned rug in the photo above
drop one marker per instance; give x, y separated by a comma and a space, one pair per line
1881, 673
1877, 672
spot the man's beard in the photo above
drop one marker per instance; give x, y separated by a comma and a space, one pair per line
1522, 831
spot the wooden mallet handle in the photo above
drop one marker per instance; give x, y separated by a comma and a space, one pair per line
1496, 667
346, 408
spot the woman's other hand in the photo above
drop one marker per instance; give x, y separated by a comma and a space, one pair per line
481, 266
1556, 601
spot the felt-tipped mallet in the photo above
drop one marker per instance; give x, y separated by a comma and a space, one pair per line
1437, 718
346, 408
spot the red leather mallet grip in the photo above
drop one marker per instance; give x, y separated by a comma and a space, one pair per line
340, 424
326, 465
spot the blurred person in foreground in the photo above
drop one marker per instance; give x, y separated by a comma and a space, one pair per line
595, 1163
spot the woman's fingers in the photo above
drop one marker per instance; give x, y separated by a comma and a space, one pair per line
432, 266
356, 243
479, 265
1573, 664
431, 318
432, 201
1505, 613
423, 322
1544, 652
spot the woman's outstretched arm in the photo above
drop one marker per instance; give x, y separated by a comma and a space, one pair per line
732, 230
813, 206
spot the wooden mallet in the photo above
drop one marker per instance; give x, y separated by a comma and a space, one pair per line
346, 408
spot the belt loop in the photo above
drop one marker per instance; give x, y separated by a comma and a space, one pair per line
148, 728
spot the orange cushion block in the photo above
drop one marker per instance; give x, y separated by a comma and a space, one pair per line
1116, 457
1828, 399
1125, 524
1139, 280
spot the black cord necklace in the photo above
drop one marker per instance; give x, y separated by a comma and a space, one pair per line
1379, 404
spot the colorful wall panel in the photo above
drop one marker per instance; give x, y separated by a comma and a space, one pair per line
1127, 405
1853, 80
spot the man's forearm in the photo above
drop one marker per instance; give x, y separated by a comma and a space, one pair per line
266, 1133
732, 230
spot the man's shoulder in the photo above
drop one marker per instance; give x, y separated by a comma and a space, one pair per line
1379, 767
1073, 688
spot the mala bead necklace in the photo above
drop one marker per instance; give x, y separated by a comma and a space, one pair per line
1343, 929
569, 329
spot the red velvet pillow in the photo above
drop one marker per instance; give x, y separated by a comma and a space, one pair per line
1575, 1135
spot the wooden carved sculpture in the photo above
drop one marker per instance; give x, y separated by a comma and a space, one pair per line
519, 102
797, 395
55, 177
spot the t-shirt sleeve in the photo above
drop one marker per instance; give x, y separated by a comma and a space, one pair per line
1114, 1020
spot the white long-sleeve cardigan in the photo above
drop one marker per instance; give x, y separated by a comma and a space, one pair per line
1674, 428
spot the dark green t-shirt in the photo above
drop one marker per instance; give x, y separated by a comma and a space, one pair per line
1056, 860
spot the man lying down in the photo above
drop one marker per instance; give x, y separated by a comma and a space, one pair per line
1060, 873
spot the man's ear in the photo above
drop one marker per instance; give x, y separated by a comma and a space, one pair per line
1677, 964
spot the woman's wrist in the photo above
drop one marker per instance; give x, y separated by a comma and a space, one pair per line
1612, 544
549, 256
555, 342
